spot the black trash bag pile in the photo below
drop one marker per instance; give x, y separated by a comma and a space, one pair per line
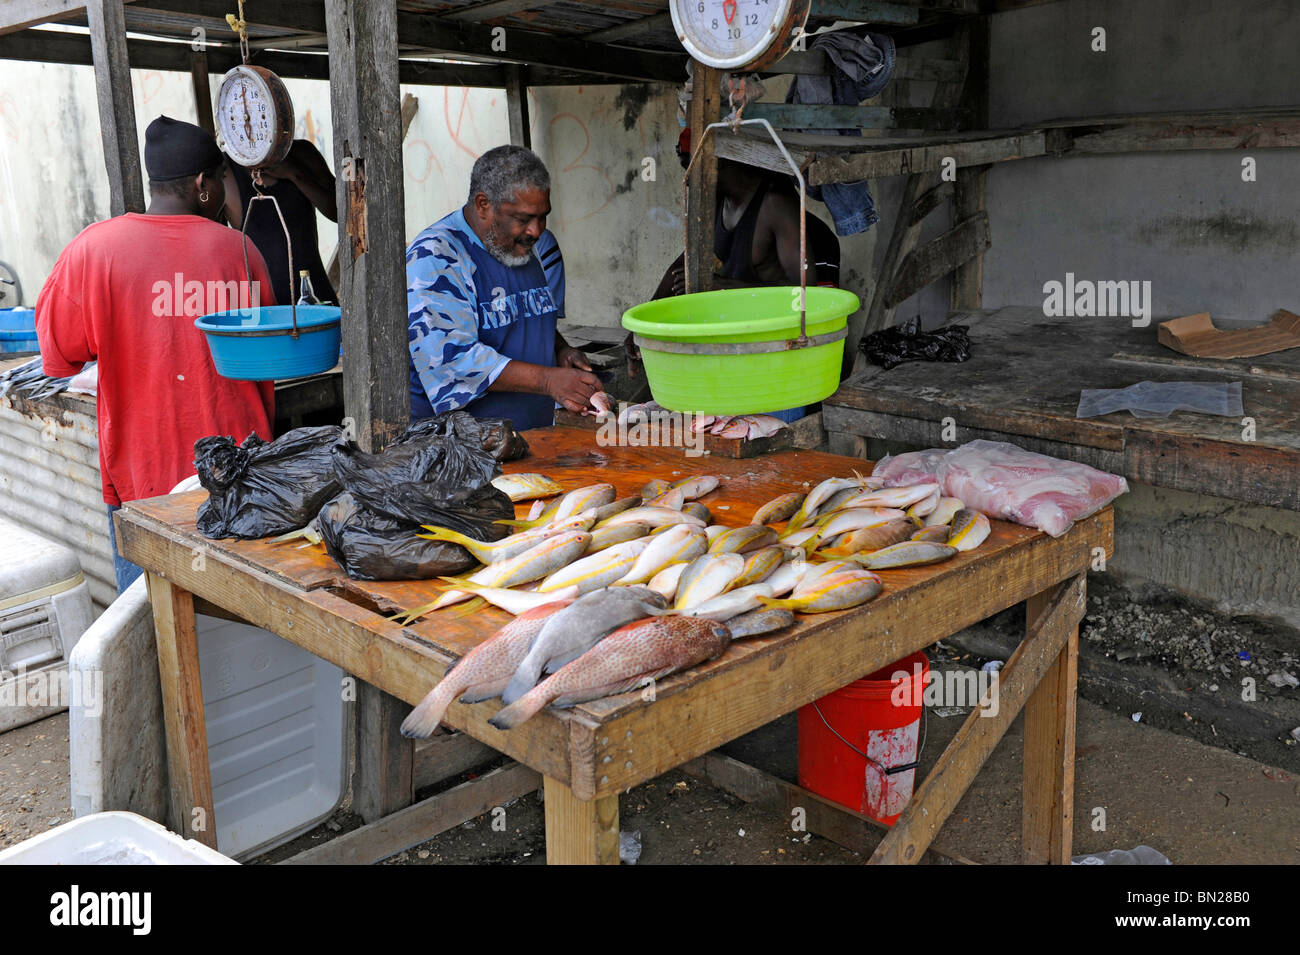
500, 439
261, 489
903, 343
438, 474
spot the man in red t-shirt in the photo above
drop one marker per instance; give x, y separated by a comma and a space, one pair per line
126, 293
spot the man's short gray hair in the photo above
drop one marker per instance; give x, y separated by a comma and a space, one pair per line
501, 173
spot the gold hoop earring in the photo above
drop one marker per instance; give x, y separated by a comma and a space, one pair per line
203, 197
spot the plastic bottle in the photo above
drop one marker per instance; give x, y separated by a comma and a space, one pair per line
307, 295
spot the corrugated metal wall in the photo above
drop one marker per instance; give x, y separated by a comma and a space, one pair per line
49, 481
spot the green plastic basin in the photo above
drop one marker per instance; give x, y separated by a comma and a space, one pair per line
749, 383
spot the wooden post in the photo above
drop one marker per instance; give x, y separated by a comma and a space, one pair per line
107, 24
702, 187
202, 90
579, 831
1047, 826
969, 201
365, 100
187, 732
517, 107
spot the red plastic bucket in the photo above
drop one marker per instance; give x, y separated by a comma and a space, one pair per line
879, 717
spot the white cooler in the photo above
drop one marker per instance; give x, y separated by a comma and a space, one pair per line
44, 609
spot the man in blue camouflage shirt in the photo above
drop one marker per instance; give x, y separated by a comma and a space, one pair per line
482, 309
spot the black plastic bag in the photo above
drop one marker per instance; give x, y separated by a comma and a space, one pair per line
259, 488
903, 343
440, 476
499, 437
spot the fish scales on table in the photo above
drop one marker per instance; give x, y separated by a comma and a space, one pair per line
577, 629
970, 528
909, 553
603, 537
759, 565
483, 672
635, 653
697, 486
872, 538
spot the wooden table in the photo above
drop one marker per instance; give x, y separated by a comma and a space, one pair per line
591, 753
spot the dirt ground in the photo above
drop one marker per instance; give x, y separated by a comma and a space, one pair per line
1203, 776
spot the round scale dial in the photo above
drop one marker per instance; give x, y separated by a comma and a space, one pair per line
731, 34
254, 116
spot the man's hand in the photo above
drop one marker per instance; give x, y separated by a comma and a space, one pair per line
677, 275
569, 357
571, 387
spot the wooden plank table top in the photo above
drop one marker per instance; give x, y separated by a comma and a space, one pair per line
596, 750
1022, 383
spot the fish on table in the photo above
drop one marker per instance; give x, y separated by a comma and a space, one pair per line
581, 626
483, 672
526, 487
636, 653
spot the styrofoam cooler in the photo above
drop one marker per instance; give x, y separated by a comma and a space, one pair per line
111, 838
44, 609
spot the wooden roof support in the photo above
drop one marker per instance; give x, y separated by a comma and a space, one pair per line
365, 102
18, 15
116, 106
517, 107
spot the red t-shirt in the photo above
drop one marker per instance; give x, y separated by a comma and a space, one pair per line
126, 292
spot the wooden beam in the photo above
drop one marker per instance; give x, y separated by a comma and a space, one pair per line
865, 11
116, 106
936, 797
632, 29
187, 732
969, 201
202, 90
702, 184
517, 107
72, 48
1205, 133
18, 15
492, 9
580, 831
930, 200
384, 777
939, 257
824, 116
439, 34
424, 820
1048, 789
824, 818
907, 231
446, 755
366, 104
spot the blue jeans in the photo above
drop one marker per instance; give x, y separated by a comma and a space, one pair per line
125, 571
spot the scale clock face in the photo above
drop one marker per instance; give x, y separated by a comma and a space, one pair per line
731, 34
254, 116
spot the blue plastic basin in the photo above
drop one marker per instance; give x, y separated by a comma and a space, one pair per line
257, 344
18, 330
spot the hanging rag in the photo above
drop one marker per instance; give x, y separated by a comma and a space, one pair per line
861, 66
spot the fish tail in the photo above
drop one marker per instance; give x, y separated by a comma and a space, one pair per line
525, 679
424, 719
795, 523
521, 524
773, 604
445, 534
474, 606
525, 708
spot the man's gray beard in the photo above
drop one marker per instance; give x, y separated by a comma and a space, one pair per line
501, 255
